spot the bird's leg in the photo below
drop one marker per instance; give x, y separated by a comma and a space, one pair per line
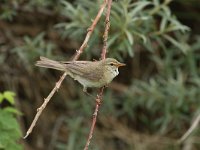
98, 100
105, 86
99, 96
85, 91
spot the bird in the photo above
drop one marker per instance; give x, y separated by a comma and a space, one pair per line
88, 73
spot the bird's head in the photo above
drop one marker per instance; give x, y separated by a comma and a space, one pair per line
111, 66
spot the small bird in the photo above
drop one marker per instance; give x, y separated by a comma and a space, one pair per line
87, 73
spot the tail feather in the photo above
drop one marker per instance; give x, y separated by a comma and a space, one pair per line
48, 63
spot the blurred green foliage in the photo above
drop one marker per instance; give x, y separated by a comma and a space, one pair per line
9, 127
161, 80
132, 24
32, 48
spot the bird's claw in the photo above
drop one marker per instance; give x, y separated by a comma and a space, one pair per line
98, 101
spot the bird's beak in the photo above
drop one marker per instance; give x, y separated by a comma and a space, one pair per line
120, 64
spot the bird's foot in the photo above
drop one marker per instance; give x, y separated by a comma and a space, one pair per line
98, 101
85, 91
105, 86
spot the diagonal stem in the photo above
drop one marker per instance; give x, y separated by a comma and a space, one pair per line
46, 100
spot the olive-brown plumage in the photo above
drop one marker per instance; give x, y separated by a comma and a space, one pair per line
87, 73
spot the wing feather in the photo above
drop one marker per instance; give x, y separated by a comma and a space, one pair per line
87, 69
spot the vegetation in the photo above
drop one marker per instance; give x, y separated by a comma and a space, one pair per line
149, 106
10, 131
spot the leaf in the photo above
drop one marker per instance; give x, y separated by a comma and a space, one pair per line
167, 10
38, 38
69, 6
8, 122
129, 48
143, 18
156, 2
113, 39
9, 96
149, 46
71, 25
181, 46
129, 36
141, 36
138, 8
163, 24
117, 8
176, 23
10, 132
116, 19
12, 110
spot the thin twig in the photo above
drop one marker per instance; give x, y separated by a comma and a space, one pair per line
98, 103
90, 30
77, 55
103, 56
191, 129
107, 27
46, 100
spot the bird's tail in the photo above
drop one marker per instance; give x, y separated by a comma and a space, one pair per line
48, 63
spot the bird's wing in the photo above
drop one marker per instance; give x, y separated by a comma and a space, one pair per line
95, 74
87, 69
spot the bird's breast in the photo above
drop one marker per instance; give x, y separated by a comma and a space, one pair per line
110, 75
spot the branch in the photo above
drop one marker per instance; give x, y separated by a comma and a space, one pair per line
77, 55
98, 103
90, 31
191, 129
107, 27
46, 100
103, 56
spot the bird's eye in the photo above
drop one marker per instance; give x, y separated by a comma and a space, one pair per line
112, 64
